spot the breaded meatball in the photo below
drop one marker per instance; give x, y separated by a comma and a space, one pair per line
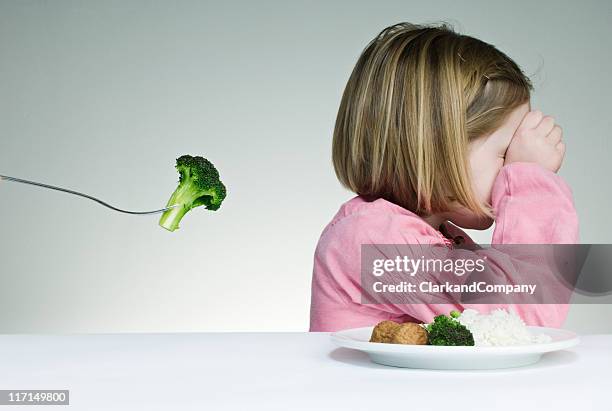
409, 333
384, 331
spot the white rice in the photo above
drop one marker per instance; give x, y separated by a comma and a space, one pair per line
499, 327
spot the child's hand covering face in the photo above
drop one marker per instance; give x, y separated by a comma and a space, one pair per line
526, 136
537, 140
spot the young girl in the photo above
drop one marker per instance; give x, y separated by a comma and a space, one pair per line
434, 132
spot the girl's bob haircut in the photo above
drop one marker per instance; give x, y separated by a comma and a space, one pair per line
416, 97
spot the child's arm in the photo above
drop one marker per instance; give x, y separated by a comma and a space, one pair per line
533, 206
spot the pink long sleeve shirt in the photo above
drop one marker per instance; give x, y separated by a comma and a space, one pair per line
532, 206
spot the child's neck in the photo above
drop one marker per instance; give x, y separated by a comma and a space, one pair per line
435, 220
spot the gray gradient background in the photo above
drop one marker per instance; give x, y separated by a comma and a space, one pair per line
101, 96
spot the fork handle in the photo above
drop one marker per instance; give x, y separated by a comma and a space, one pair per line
76, 193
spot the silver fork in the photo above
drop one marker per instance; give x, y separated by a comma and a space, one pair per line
76, 193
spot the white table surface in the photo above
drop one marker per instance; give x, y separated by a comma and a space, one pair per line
285, 371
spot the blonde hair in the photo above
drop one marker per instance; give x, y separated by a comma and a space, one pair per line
416, 97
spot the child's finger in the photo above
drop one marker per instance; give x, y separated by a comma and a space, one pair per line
555, 135
531, 119
546, 125
560, 147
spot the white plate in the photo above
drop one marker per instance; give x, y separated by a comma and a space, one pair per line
454, 358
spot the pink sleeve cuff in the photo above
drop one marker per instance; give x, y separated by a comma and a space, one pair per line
533, 205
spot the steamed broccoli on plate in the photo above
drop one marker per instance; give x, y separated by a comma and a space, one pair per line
447, 330
199, 185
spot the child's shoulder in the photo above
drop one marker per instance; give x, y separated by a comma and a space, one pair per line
359, 207
377, 222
